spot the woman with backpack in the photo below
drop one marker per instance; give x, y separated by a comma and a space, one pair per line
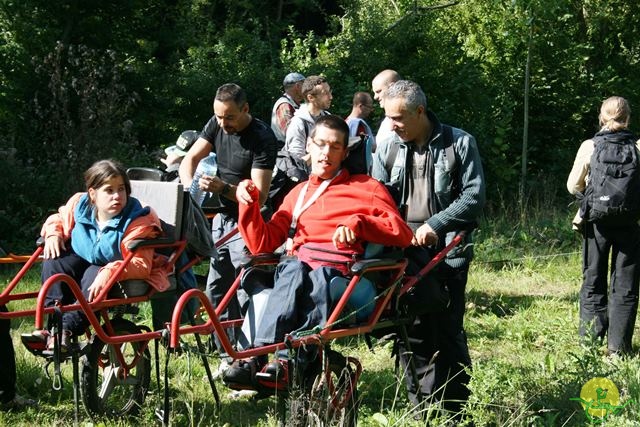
606, 177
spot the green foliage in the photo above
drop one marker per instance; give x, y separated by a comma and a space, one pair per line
19, 216
81, 116
296, 51
170, 56
232, 58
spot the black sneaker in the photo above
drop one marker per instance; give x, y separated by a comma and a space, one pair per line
36, 342
241, 375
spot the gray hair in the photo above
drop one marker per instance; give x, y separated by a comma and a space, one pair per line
409, 91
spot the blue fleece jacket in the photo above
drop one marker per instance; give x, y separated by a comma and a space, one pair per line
99, 247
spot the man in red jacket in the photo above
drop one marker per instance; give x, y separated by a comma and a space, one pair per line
333, 211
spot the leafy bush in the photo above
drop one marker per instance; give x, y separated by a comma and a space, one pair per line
83, 116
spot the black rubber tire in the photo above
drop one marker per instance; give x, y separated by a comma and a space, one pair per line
321, 412
119, 397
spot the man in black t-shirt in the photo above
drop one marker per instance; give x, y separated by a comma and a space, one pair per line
245, 148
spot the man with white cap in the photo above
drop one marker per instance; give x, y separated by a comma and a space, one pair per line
286, 105
176, 152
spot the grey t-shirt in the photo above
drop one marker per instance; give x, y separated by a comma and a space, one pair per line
419, 203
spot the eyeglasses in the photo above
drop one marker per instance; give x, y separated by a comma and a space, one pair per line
323, 92
333, 146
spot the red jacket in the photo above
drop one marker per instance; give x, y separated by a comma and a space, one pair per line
356, 201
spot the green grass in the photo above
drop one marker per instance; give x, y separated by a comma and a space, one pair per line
521, 321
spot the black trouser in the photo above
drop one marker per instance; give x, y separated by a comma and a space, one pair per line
610, 309
438, 343
7, 361
83, 273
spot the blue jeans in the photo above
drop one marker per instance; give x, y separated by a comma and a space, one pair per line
224, 269
299, 301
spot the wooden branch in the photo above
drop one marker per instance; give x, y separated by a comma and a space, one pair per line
419, 10
438, 6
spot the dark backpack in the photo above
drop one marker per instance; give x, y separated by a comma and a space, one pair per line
612, 195
291, 170
360, 155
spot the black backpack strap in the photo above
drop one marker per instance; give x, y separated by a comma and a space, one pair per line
307, 130
391, 157
449, 151
451, 159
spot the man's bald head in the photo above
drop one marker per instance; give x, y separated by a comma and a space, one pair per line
381, 82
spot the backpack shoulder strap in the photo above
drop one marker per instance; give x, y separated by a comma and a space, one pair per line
391, 157
449, 151
597, 139
451, 159
307, 129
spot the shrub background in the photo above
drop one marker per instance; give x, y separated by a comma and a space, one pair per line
85, 80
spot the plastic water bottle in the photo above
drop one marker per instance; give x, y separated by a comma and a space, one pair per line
207, 166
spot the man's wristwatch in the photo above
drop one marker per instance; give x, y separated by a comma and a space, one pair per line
226, 189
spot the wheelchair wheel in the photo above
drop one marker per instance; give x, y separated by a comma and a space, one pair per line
108, 388
333, 398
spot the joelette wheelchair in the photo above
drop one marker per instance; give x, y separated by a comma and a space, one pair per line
112, 367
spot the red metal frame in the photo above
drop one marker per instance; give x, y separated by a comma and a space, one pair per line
5, 295
340, 404
397, 283
215, 325
100, 304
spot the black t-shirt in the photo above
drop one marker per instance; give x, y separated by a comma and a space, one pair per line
254, 147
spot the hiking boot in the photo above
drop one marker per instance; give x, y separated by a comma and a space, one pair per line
275, 374
277, 369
